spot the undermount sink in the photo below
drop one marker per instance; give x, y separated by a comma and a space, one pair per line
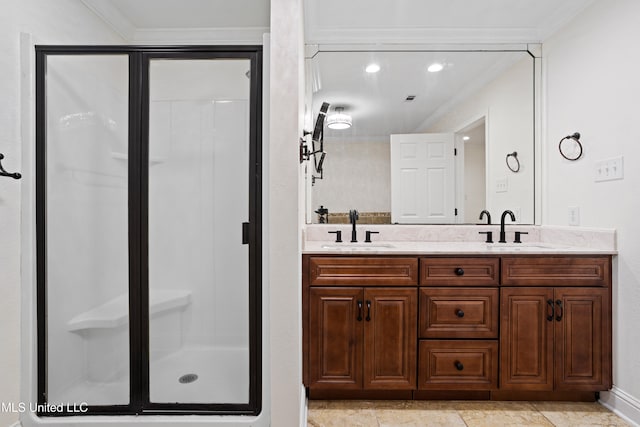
357, 246
518, 246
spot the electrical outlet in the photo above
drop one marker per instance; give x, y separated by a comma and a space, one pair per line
502, 185
574, 215
609, 169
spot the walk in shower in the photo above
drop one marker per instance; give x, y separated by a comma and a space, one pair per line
148, 189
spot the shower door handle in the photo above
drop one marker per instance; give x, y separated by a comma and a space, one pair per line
245, 233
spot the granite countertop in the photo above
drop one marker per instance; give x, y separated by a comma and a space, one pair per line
459, 240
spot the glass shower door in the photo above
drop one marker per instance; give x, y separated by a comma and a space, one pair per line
84, 183
199, 146
148, 236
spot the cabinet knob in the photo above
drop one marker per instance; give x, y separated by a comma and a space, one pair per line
459, 366
459, 271
459, 313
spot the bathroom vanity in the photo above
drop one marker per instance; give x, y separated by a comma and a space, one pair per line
456, 321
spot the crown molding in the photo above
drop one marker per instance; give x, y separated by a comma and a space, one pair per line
112, 17
565, 14
128, 31
423, 35
231, 35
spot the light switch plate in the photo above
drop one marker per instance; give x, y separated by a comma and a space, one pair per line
609, 169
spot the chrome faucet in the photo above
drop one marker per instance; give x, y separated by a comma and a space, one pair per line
483, 213
353, 218
502, 234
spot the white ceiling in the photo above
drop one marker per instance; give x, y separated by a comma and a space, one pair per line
194, 13
437, 21
340, 21
185, 21
357, 22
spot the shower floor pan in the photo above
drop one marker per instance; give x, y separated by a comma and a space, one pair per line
222, 377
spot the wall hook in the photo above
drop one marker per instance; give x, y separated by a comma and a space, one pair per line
3, 172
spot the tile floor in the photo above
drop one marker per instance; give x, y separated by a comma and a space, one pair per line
364, 413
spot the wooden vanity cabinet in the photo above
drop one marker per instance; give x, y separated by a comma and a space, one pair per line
555, 337
361, 337
458, 323
488, 327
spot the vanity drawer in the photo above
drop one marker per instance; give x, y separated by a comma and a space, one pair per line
459, 271
370, 271
458, 313
458, 365
556, 271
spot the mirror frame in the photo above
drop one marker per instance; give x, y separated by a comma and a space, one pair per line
534, 49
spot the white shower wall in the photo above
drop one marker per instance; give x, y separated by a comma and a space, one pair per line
194, 253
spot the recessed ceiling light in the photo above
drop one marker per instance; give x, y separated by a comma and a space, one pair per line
372, 68
466, 138
435, 67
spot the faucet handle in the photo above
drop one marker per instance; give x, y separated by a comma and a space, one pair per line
367, 237
489, 236
518, 233
338, 234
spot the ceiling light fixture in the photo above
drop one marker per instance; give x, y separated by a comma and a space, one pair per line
372, 68
466, 138
339, 120
435, 67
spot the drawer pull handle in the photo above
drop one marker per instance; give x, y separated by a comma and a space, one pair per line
459, 313
550, 304
559, 316
459, 366
368, 318
359, 310
459, 271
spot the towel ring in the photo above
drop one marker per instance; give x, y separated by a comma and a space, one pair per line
571, 152
513, 166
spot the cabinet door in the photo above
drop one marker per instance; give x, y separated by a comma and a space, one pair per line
583, 339
390, 338
335, 338
526, 339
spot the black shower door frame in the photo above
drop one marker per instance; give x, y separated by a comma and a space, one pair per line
138, 231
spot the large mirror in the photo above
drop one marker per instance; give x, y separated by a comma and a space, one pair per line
435, 137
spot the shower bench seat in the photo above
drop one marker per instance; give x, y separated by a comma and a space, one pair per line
115, 312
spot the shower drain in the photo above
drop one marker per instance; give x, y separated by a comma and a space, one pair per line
187, 379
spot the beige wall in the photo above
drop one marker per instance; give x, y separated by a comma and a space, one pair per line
357, 176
